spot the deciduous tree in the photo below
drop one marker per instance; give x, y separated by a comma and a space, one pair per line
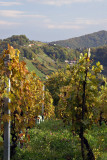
79, 100
26, 95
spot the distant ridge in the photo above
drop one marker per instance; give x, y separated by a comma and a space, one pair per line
90, 40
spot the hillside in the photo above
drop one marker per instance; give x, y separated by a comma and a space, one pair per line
100, 54
90, 40
39, 57
46, 58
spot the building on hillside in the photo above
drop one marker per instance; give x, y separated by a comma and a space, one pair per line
30, 45
70, 62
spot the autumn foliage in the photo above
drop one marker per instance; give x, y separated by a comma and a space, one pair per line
26, 94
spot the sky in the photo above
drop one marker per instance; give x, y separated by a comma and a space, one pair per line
51, 20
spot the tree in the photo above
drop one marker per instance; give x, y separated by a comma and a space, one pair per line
103, 102
54, 82
79, 100
26, 96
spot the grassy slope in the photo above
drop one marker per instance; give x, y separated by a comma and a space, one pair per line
45, 65
52, 141
43, 58
31, 67
49, 64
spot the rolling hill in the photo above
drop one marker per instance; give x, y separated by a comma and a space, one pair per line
90, 40
40, 57
46, 58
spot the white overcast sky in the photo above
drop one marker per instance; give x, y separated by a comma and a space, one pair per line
49, 20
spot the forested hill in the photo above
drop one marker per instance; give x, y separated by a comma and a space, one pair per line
90, 40
40, 57
100, 54
46, 58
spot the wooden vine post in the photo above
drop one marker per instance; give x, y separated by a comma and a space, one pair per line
7, 112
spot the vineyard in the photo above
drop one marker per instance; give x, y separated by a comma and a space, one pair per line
74, 105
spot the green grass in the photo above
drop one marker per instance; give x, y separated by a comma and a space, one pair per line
47, 61
31, 67
42, 65
52, 141
43, 59
97, 138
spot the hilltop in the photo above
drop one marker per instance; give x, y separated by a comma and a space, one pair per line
90, 40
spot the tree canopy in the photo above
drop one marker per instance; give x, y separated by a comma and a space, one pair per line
26, 95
